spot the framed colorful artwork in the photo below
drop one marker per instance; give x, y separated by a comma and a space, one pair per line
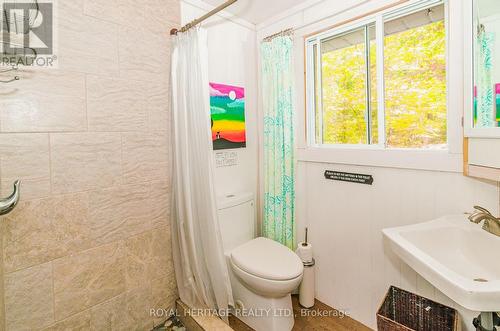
227, 107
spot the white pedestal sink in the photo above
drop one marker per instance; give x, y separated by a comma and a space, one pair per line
456, 256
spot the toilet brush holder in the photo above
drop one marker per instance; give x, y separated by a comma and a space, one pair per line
306, 288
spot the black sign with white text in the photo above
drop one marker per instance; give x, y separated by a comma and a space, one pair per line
349, 177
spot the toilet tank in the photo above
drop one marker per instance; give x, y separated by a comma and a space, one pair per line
236, 219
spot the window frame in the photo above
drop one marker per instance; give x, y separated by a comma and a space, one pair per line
378, 20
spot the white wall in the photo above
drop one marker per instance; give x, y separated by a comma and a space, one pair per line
232, 60
354, 268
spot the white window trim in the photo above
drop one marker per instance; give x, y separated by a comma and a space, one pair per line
449, 160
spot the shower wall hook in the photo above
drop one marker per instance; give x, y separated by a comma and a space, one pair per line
10, 80
9, 203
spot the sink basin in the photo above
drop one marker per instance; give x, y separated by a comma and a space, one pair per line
456, 256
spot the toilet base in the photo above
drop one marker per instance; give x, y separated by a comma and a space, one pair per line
259, 312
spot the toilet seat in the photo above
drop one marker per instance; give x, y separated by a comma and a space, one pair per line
267, 259
266, 287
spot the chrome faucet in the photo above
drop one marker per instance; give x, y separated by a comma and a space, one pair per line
491, 223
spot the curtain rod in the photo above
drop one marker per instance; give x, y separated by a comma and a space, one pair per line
279, 34
202, 18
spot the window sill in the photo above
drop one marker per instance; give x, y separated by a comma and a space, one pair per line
388, 158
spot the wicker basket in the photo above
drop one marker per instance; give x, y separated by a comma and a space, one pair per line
406, 311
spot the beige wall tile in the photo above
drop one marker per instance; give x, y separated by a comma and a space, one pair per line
52, 83
116, 105
137, 309
128, 311
160, 198
90, 200
154, 15
164, 292
161, 259
148, 61
158, 104
42, 113
52, 100
123, 12
88, 278
25, 157
102, 9
109, 315
77, 322
39, 231
31, 188
149, 258
85, 161
145, 156
68, 8
120, 212
29, 298
87, 45
163, 15
139, 254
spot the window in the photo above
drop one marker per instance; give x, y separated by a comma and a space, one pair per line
381, 89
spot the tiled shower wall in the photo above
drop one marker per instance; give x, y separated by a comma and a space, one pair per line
89, 244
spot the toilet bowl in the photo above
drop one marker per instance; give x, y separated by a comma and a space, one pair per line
263, 272
267, 267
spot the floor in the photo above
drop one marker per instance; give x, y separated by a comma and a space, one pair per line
310, 323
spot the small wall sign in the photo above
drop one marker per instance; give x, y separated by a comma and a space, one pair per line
349, 177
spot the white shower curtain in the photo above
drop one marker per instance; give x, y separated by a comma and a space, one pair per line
200, 266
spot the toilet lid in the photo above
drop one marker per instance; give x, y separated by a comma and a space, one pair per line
267, 259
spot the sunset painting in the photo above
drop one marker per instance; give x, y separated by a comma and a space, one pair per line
227, 106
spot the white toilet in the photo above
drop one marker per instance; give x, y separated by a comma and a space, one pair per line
263, 272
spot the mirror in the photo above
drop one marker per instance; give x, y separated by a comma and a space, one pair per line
481, 57
486, 68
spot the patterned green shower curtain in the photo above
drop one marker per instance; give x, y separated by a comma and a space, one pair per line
279, 160
485, 87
